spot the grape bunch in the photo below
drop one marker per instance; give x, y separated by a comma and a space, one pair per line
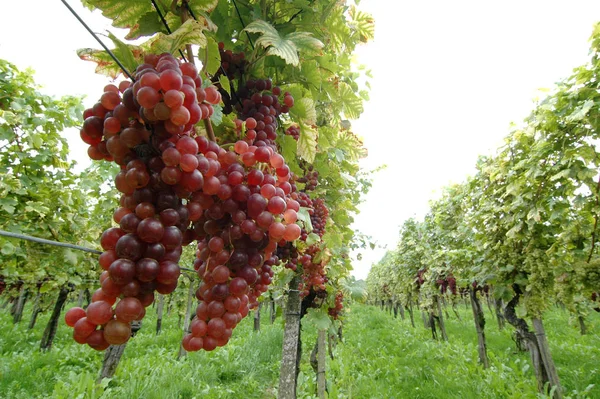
294, 131
310, 179
247, 212
145, 128
178, 187
420, 279
336, 310
259, 107
233, 64
318, 216
314, 275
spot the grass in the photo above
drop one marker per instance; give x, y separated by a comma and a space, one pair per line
381, 357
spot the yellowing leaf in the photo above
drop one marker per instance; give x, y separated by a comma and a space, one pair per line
191, 32
307, 143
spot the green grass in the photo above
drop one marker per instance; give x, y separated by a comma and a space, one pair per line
381, 357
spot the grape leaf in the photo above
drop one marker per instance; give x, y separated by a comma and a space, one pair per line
312, 239
188, 33
285, 47
141, 18
318, 318
304, 217
363, 23
307, 143
210, 57
125, 54
217, 117
304, 110
581, 111
224, 81
351, 103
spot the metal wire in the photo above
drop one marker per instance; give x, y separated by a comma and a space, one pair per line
99, 41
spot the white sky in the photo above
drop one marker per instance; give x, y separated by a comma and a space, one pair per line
449, 77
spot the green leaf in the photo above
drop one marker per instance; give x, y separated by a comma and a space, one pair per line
106, 65
224, 81
312, 239
304, 111
285, 47
317, 318
581, 111
351, 103
304, 217
217, 117
37, 142
8, 248
210, 57
123, 53
307, 143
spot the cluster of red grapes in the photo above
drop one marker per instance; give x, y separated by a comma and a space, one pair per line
314, 275
248, 210
146, 131
232, 64
318, 216
337, 309
294, 131
447, 283
2, 284
259, 108
420, 277
310, 179
288, 254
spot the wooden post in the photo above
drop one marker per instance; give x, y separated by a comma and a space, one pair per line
288, 376
159, 312
52, 325
186, 322
321, 378
440, 319
36, 309
273, 311
112, 356
542, 341
499, 315
479, 318
257, 317
582, 328
20, 304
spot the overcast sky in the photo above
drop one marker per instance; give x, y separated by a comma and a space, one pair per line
449, 77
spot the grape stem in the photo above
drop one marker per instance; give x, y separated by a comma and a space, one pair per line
185, 15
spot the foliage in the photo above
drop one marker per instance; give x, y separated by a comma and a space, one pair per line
40, 195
